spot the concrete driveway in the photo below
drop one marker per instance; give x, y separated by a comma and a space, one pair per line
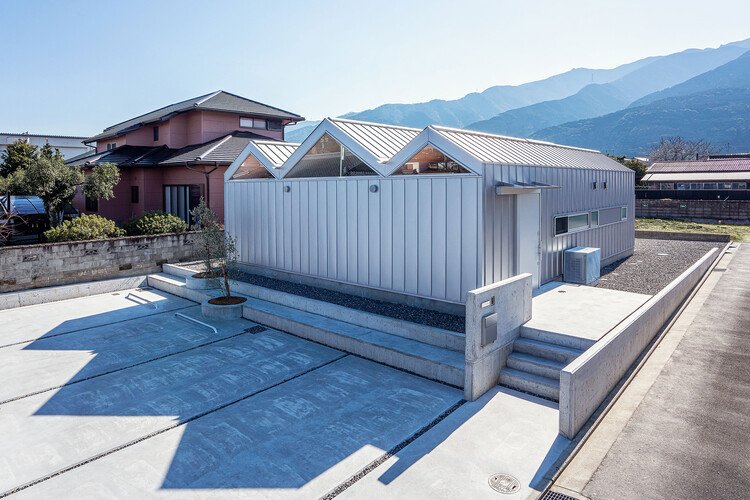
115, 396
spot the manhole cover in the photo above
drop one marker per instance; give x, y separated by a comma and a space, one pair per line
503, 483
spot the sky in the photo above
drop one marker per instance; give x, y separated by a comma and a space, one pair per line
75, 67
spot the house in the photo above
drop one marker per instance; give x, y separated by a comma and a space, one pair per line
722, 172
171, 157
68, 145
422, 215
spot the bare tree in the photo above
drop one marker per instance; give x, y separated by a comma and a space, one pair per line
678, 149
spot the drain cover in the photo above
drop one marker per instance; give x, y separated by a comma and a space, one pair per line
503, 483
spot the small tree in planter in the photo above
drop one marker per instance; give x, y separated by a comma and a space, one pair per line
218, 252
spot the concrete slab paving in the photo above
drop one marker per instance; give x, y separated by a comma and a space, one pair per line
25, 324
504, 431
52, 431
297, 440
689, 437
581, 311
50, 362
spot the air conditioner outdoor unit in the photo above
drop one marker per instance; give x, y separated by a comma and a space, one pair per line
582, 265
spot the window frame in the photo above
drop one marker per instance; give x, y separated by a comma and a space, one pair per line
591, 224
134, 194
156, 133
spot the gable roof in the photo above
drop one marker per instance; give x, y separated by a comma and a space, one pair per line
720, 165
500, 149
222, 150
220, 101
271, 154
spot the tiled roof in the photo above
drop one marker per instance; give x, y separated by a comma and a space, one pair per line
217, 101
223, 150
721, 165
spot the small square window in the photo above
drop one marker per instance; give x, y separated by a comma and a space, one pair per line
274, 125
156, 133
133, 194
258, 123
561, 225
246, 122
623, 213
594, 218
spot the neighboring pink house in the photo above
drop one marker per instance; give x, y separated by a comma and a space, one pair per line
171, 157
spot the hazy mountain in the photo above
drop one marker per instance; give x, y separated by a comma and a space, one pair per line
735, 73
481, 105
596, 100
719, 116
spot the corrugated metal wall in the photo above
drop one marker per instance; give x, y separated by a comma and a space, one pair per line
576, 194
416, 235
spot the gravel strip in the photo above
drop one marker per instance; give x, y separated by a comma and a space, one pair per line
403, 312
653, 265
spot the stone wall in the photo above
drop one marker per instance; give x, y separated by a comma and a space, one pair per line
727, 212
36, 266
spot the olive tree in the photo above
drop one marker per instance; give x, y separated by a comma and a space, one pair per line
215, 248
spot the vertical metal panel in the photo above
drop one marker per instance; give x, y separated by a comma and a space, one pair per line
362, 234
454, 253
438, 236
386, 217
411, 254
576, 194
399, 236
424, 243
416, 235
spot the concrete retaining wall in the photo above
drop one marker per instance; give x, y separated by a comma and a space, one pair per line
673, 235
728, 212
494, 315
586, 382
51, 264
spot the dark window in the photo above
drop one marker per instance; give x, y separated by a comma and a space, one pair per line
134, 194
272, 125
92, 204
561, 225
156, 133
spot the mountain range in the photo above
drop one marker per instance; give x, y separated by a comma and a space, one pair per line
624, 110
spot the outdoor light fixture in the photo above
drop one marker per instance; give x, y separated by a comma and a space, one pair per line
374, 188
287, 189
604, 184
594, 184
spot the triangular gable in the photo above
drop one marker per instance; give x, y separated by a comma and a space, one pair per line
430, 136
258, 154
327, 126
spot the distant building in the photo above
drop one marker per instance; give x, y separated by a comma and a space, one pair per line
716, 172
69, 145
171, 157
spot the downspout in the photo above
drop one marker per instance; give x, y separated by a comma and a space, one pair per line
208, 180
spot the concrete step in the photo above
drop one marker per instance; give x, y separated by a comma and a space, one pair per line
427, 360
545, 350
530, 383
535, 365
437, 363
556, 338
422, 333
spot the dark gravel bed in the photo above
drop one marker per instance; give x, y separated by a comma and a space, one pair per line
406, 313
653, 265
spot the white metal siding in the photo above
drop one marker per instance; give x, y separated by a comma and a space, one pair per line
416, 235
576, 194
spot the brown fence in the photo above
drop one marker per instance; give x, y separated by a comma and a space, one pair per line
726, 212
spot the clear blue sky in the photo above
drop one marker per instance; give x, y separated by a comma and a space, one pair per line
74, 67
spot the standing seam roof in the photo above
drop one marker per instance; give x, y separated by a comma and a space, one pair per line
277, 153
382, 141
489, 148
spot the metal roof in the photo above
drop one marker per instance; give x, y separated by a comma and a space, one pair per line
216, 101
44, 136
222, 150
697, 176
276, 152
381, 140
492, 148
719, 165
